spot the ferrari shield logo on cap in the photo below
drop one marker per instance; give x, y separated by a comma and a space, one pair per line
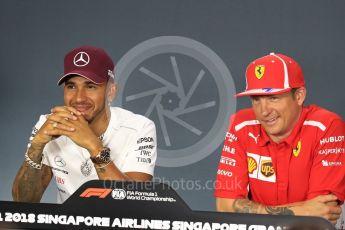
259, 71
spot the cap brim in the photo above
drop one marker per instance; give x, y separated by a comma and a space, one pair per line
265, 91
88, 75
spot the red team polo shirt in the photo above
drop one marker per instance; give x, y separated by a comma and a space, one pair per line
308, 163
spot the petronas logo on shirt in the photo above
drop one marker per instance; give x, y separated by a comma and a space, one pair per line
297, 150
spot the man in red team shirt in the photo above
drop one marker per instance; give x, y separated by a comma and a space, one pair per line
281, 157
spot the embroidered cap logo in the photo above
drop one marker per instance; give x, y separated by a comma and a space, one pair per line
259, 71
81, 59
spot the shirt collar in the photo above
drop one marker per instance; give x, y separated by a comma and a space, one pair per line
291, 139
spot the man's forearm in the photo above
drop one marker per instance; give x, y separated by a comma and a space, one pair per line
30, 182
27, 185
110, 172
323, 206
248, 206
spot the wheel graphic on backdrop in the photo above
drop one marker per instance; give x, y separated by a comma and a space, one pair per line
185, 88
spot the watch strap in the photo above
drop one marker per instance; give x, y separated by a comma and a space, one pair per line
103, 157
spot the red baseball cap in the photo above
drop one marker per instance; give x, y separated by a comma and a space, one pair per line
89, 62
272, 74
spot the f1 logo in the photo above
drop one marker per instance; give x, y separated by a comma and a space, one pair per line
98, 192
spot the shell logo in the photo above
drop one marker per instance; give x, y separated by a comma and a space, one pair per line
252, 165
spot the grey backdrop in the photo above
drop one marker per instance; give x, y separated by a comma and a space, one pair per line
35, 35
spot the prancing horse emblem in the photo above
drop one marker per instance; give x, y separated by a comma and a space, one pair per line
296, 151
259, 71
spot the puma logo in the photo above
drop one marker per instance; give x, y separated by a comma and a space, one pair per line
254, 137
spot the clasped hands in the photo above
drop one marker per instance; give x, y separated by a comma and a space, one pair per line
67, 121
325, 206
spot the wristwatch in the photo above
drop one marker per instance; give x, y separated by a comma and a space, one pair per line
103, 157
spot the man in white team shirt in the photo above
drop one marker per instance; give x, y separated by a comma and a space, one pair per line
86, 139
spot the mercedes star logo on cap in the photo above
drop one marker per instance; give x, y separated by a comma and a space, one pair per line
81, 59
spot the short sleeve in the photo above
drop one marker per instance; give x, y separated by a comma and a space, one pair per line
232, 173
328, 170
142, 154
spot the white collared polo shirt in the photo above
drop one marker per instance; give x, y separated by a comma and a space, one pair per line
132, 142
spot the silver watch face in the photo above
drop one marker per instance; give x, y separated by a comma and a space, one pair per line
103, 157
